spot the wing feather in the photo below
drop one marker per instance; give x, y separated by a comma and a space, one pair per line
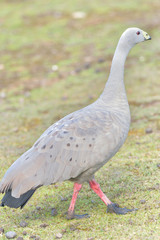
64, 151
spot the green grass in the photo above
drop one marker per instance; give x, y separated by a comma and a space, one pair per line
38, 34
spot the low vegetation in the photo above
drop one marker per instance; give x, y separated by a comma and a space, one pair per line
55, 58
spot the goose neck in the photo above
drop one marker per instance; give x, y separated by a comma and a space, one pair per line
115, 89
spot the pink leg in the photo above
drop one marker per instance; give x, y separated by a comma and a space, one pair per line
77, 188
111, 207
96, 188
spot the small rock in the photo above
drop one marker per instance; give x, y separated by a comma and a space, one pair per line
1, 230
10, 235
54, 212
35, 237
130, 221
78, 70
24, 233
142, 201
64, 198
90, 238
59, 235
54, 68
23, 224
87, 65
97, 70
1, 66
20, 238
90, 97
72, 228
78, 15
158, 165
44, 225
2, 95
149, 130
101, 60
88, 59
38, 208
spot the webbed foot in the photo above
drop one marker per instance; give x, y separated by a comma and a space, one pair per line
114, 208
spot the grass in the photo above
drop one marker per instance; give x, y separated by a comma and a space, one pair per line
38, 34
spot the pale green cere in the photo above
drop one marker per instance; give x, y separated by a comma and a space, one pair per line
34, 36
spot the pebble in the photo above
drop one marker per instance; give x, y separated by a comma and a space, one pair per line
54, 68
87, 66
10, 235
64, 198
24, 233
43, 225
158, 165
35, 237
59, 235
101, 60
1, 66
97, 70
2, 95
23, 224
78, 15
130, 221
54, 212
78, 70
72, 228
142, 201
19, 238
1, 230
149, 130
38, 207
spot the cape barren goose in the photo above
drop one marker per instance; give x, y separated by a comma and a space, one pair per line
78, 145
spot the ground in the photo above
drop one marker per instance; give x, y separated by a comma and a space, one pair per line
37, 37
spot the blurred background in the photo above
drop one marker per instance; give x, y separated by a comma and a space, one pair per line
55, 58
47, 41
58, 52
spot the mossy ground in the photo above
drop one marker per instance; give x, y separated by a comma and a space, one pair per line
38, 34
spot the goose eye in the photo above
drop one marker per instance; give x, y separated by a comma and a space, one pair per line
138, 32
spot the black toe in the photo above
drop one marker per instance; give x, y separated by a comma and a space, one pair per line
114, 208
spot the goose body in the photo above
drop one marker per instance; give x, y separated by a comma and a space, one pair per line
76, 146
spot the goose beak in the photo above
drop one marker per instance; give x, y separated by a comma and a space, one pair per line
146, 36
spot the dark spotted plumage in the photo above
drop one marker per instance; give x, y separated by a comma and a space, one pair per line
76, 146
